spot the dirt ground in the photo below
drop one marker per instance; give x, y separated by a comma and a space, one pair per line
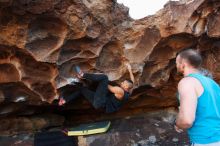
154, 129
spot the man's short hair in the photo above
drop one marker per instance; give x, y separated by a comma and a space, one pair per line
192, 56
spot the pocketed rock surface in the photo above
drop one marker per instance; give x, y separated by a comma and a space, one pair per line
40, 42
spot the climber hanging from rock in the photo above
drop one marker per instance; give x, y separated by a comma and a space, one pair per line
106, 96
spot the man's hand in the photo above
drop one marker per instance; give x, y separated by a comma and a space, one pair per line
178, 129
62, 101
128, 66
72, 80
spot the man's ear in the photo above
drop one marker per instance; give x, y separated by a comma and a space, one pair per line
184, 64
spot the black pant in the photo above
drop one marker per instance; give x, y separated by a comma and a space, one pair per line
98, 97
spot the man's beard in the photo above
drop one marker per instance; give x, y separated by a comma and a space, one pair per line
179, 72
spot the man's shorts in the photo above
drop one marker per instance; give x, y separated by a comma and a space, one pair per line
211, 144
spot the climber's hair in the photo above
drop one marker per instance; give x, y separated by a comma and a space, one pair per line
192, 56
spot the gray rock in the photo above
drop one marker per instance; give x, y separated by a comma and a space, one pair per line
143, 142
137, 134
152, 139
175, 139
156, 124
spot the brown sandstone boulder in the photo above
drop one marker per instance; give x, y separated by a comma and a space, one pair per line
40, 42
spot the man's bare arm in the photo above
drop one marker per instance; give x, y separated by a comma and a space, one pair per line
130, 72
188, 103
119, 92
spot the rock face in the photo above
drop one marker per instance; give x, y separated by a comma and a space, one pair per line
153, 129
40, 41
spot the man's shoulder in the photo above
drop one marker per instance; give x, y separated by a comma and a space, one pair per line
187, 81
